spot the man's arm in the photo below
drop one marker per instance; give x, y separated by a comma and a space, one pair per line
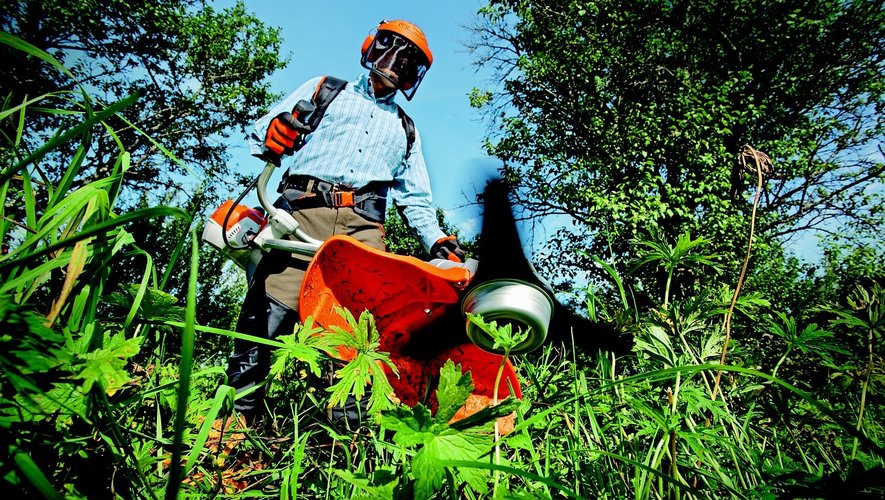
410, 192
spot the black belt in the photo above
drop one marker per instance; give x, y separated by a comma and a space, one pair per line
304, 191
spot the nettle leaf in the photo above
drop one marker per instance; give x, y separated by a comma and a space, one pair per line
367, 366
468, 439
105, 365
697, 402
451, 444
28, 346
301, 346
155, 305
453, 390
62, 402
412, 426
814, 340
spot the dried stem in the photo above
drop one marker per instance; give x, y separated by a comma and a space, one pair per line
762, 166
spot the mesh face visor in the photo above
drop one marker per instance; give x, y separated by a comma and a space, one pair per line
395, 58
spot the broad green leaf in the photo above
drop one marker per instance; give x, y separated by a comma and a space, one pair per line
411, 426
106, 365
453, 390
450, 445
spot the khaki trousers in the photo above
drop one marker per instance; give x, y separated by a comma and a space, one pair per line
271, 305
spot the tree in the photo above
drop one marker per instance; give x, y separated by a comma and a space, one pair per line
200, 74
624, 115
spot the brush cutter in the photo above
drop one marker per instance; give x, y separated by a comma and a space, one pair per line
249, 232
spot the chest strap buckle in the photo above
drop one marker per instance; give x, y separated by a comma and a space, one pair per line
342, 198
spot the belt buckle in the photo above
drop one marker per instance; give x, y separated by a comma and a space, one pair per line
342, 198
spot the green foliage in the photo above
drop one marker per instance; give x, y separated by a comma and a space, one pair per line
201, 73
150, 304
367, 366
438, 440
299, 347
103, 391
655, 249
28, 347
621, 116
865, 311
105, 366
811, 340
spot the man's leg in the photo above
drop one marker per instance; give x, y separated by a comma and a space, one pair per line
271, 309
265, 316
271, 304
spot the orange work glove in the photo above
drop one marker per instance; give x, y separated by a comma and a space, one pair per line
281, 135
448, 248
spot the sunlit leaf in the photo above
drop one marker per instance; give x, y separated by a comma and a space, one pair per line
106, 365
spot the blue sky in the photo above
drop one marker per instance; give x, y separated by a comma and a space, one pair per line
324, 38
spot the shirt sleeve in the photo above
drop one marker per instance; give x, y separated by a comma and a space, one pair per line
259, 130
410, 193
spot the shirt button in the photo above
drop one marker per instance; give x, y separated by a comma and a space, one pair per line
367, 132
361, 150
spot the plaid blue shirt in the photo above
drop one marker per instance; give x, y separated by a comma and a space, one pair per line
361, 139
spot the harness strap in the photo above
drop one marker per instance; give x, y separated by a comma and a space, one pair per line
327, 90
304, 191
409, 127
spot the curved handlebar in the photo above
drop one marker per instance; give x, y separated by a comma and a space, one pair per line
281, 223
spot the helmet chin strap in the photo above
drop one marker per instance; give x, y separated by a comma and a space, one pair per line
386, 78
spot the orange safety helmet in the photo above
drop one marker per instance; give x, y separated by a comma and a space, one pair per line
397, 51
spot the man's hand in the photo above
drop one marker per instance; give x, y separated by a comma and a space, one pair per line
281, 135
448, 248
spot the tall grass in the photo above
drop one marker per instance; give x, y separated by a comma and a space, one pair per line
96, 403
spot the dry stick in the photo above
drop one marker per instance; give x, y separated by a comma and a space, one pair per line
758, 157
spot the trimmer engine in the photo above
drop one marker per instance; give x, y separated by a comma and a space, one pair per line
243, 223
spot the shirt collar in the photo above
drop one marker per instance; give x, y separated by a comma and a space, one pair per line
364, 86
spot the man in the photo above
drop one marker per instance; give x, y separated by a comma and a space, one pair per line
361, 153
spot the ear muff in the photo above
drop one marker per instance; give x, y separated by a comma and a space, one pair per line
367, 43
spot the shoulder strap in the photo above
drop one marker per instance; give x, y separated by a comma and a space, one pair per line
327, 90
409, 127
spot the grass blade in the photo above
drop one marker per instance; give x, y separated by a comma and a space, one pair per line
68, 135
95, 230
185, 369
34, 475
19, 44
225, 394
